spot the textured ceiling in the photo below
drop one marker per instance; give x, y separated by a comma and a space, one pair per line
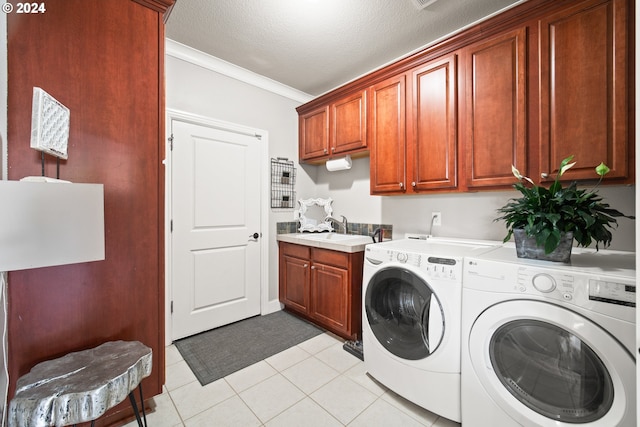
317, 45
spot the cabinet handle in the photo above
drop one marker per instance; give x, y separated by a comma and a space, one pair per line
544, 175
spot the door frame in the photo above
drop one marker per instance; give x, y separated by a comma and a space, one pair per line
263, 135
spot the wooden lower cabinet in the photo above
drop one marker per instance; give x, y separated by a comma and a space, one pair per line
323, 286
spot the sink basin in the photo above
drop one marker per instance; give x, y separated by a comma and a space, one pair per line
335, 237
333, 241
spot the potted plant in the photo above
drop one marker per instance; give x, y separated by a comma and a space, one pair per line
545, 221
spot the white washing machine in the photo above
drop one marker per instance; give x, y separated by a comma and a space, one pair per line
411, 318
548, 344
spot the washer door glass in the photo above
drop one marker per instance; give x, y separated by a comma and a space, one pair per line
404, 313
551, 371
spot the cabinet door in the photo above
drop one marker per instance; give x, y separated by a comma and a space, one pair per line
583, 88
313, 138
495, 110
330, 291
349, 124
431, 126
294, 283
387, 135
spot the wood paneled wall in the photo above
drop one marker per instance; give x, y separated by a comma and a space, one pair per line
104, 60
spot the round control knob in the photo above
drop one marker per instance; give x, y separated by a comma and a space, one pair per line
402, 257
543, 282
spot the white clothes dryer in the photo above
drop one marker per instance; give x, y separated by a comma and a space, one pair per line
548, 344
411, 318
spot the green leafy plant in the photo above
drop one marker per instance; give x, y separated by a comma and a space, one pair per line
547, 213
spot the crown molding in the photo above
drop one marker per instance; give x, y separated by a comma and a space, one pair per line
196, 57
162, 6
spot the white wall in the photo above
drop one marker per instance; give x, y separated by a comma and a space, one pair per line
469, 215
349, 190
198, 89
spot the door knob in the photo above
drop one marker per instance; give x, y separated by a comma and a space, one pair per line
255, 235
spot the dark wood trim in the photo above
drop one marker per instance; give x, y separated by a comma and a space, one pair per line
161, 199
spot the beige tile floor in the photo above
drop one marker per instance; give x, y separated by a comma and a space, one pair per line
315, 383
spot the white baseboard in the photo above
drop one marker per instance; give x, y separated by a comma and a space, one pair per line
271, 307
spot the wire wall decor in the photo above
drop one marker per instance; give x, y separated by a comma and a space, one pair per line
283, 180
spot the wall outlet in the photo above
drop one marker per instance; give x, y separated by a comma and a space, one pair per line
436, 219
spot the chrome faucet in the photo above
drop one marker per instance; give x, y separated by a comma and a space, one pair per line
341, 224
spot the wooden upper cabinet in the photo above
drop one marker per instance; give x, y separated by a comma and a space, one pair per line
387, 135
584, 89
313, 139
338, 128
432, 126
528, 87
494, 109
348, 124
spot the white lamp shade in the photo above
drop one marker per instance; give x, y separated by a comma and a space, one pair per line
44, 224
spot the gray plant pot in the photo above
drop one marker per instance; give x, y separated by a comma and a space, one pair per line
526, 247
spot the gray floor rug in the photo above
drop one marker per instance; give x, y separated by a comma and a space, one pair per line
222, 351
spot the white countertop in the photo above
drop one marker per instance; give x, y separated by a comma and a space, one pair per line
334, 241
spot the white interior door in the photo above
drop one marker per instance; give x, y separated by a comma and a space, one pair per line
215, 241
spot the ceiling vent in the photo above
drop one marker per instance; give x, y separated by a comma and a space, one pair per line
421, 4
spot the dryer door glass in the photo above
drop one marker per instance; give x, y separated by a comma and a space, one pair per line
551, 371
404, 313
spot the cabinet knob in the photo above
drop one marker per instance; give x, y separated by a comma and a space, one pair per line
402, 185
313, 267
413, 183
333, 148
306, 265
325, 151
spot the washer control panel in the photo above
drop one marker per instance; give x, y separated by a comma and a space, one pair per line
564, 286
433, 266
612, 292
